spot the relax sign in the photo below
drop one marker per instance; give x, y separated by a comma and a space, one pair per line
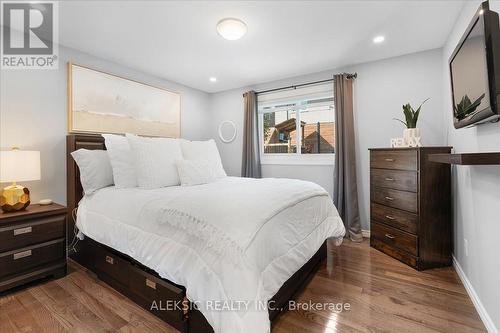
411, 138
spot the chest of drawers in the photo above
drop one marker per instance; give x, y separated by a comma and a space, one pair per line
410, 206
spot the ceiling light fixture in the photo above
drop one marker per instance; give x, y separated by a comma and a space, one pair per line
481, 12
231, 28
212, 79
378, 39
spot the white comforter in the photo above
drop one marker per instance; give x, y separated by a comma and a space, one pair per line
231, 243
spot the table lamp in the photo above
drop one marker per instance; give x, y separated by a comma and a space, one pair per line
17, 165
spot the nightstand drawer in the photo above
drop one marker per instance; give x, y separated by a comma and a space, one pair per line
395, 179
394, 217
394, 198
20, 260
394, 237
31, 232
394, 159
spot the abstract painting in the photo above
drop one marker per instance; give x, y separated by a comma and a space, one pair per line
99, 102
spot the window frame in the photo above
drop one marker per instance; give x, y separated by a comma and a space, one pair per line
296, 158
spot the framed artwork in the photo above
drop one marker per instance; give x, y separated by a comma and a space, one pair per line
99, 102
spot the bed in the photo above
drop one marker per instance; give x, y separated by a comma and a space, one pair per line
129, 239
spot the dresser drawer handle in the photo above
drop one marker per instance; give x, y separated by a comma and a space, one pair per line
110, 260
390, 217
21, 231
389, 179
23, 254
389, 160
389, 198
389, 236
150, 284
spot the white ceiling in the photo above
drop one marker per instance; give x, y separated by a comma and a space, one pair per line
177, 40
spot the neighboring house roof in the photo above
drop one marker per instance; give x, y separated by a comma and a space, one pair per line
288, 125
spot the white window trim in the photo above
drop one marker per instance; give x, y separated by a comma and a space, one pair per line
291, 159
297, 159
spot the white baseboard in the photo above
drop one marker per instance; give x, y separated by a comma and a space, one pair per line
485, 317
366, 233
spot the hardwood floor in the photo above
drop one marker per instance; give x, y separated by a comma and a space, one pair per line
384, 296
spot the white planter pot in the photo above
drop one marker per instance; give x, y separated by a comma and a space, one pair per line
412, 137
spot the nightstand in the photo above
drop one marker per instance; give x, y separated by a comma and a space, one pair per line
32, 245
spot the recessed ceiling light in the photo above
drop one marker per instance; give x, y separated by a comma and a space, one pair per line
212, 79
231, 28
481, 12
378, 39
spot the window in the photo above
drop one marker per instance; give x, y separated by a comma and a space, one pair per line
309, 109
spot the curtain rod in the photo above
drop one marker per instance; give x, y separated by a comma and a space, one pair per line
349, 76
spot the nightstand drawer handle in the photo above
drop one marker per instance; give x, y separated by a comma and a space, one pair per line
389, 198
150, 284
389, 160
389, 236
110, 260
23, 254
390, 217
389, 179
21, 231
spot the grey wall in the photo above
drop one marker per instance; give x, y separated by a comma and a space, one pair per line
476, 192
381, 88
33, 115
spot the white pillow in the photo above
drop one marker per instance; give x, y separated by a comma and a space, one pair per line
195, 172
155, 161
121, 159
204, 151
95, 169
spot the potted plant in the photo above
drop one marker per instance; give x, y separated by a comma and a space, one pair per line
411, 118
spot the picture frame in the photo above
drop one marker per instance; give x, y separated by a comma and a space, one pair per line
100, 102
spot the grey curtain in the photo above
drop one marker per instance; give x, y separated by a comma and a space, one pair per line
250, 166
345, 192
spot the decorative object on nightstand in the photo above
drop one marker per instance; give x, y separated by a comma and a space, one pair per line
45, 202
32, 245
411, 134
410, 208
17, 165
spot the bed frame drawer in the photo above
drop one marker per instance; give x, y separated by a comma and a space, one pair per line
31, 232
165, 300
24, 259
112, 265
162, 298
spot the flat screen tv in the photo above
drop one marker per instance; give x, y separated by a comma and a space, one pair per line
475, 71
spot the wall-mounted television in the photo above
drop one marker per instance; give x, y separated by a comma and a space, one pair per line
475, 71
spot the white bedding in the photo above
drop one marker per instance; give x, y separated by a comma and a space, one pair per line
284, 236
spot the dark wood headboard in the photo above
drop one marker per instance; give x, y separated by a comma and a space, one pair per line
74, 190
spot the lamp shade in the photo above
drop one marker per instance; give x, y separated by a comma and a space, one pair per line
19, 165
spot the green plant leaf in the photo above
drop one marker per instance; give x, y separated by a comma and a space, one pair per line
411, 115
408, 115
417, 113
402, 122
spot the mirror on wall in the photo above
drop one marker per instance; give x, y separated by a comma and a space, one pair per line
227, 131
